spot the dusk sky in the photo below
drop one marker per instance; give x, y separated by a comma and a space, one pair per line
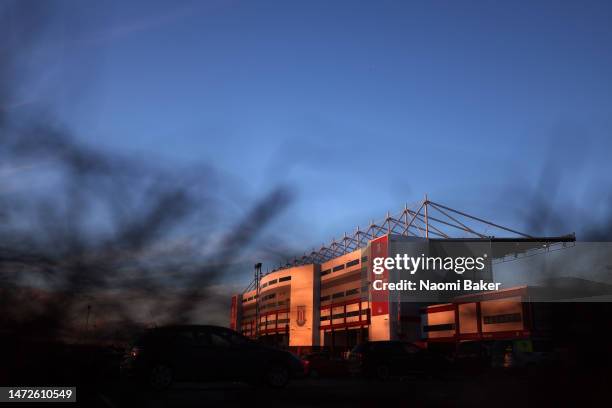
388, 201
359, 106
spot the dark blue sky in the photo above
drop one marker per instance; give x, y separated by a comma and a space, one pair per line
361, 106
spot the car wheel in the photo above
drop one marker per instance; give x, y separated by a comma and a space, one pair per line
277, 376
161, 377
383, 373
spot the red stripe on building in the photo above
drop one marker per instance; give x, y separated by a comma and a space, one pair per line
380, 298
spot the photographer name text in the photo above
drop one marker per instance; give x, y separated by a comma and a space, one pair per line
424, 284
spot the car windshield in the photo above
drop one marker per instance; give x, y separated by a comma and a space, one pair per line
358, 348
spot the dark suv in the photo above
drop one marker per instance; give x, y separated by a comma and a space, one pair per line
205, 353
386, 359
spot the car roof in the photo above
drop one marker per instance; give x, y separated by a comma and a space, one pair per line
377, 342
187, 327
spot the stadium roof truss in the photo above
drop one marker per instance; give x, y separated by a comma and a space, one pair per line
430, 220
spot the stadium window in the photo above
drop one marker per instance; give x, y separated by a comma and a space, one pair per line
324, 298
272, 282
325, 272
284, 279
270, 296
352, 292
324, 318
502, 318
439, 327
352, 263
264, 285
352, 314
338, 268
337, 295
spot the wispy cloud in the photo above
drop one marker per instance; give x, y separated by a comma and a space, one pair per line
6, 171
146, 23
17, 104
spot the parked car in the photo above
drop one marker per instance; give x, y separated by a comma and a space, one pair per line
324, 364
523, 353
472, 356
162, 356
386, 359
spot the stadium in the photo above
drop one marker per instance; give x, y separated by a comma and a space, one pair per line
325, 299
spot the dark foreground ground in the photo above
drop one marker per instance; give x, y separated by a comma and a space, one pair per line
493, 389
94, 371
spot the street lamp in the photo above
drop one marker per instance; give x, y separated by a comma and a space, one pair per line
257, 279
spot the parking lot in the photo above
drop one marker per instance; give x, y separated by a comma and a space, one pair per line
489, 389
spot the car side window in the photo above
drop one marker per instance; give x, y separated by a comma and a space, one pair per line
378, 347
237, 339
397, 348
411, 348
386, 347
232, 337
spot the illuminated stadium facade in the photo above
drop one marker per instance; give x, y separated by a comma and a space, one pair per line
324, 299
